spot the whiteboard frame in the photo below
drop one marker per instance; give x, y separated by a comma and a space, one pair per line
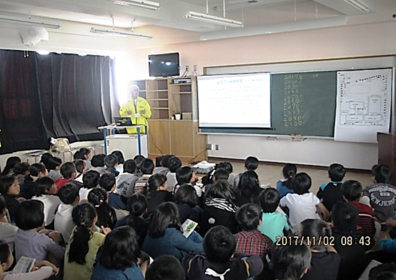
336, 64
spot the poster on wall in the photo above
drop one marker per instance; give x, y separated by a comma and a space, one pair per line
363, 105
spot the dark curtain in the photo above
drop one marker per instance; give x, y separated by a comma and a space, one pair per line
55, 95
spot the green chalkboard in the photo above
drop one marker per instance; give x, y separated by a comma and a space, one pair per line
301, 103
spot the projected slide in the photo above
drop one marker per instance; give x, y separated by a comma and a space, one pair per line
241, 100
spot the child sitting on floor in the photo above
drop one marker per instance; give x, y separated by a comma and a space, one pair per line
45, 189
274, 224
220, 259
63, 222
302, 204
31, 240
284, 186
329, 193
41, 269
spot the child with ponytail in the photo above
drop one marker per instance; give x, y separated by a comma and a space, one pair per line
84, 243
137, 207
284, 186
106, 214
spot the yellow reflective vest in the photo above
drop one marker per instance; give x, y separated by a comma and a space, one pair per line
141, 104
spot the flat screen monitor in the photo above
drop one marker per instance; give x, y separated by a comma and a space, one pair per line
164, 65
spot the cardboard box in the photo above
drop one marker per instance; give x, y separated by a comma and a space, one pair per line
186, 116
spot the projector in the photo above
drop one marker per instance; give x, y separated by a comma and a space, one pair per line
204, 167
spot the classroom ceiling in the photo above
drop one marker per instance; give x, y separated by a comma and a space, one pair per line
77, 16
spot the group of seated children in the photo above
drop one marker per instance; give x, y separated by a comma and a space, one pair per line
91, 219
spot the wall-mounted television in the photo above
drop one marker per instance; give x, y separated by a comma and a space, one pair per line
164, 65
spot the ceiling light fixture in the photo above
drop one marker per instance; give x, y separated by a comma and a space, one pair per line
277, 28
137, 3
28, 22
214, 19
358, 4
119, 33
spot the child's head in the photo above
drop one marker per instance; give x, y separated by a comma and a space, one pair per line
44, 158
165, 161
21, 168
185, 175
157, 182
111, 161
119, 155
54, 163
30, 215
84, 217
351, 190
381, 173
78, 155
336, 172
137, 205
10, 163
45, 185
107, 182
269, 200
249, 216
68, 170
69, 193
220, 189
221, 174
345, 217
186, 194
147, 166
98, 197
289, 170
138, 159
291, 261
37, 170
164, 217
120, 249
6, 257
85, 152
251, 163
219, 244
301, 183
129, 166
315, 229
91, 179
98, 160
80, 165
174, 163
225, 165
165, 267
10, 185
249, 179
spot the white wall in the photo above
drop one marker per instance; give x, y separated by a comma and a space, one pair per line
341, 42
332, 43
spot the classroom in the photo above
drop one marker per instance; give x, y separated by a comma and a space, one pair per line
358, 38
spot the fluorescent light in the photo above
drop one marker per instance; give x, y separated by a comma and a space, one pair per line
43, 52
138, 3
28, 22
358, 4
277, 28
214, 19
119, 33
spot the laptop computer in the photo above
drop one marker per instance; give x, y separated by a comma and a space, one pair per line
123, 121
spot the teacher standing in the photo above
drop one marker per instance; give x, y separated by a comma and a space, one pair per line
138, 109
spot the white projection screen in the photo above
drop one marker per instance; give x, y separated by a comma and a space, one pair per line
240, 101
